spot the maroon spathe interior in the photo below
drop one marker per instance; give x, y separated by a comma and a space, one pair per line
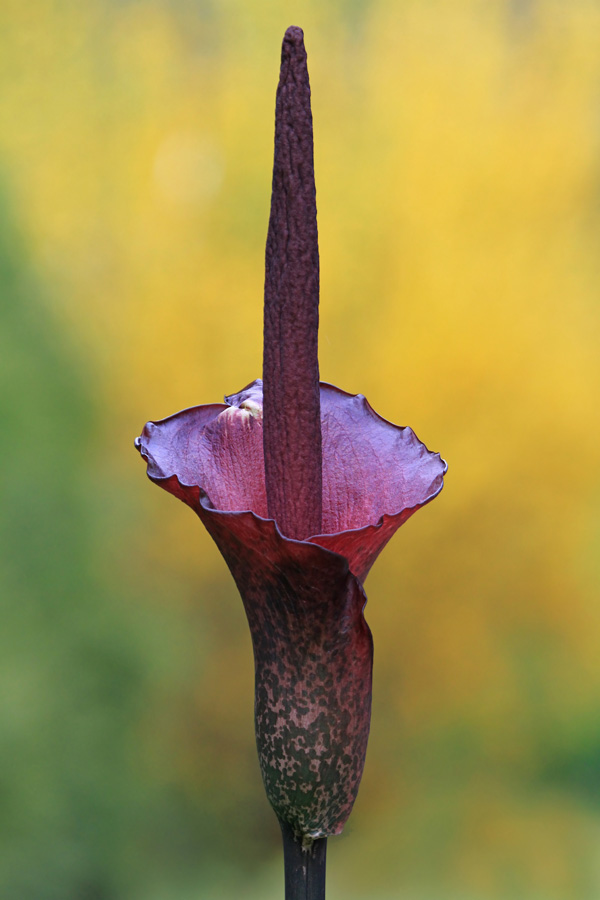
371, 467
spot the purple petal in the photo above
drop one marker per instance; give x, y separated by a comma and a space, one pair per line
218, 448
375, 474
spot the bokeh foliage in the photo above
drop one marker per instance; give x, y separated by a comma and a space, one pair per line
458, 179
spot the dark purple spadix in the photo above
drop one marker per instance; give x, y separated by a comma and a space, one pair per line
291, 412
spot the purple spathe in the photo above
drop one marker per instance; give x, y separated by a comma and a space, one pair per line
304, 599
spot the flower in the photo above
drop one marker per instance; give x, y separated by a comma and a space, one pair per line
301, 493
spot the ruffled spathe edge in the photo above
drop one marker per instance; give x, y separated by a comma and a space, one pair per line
359, 544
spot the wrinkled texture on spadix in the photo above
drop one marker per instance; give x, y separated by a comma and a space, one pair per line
304, 599
292, 442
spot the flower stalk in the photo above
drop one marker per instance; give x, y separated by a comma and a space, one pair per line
304, 866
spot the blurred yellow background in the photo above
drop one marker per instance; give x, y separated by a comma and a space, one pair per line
458, 186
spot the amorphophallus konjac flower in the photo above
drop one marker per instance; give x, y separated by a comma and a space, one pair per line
301, 485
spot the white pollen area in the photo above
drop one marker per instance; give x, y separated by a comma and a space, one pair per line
252, 407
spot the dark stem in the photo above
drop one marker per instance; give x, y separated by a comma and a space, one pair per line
291, 402
304, 866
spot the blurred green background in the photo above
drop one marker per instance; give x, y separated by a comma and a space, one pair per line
458, 178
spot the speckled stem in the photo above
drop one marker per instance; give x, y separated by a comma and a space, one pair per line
304, 866
291, 412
